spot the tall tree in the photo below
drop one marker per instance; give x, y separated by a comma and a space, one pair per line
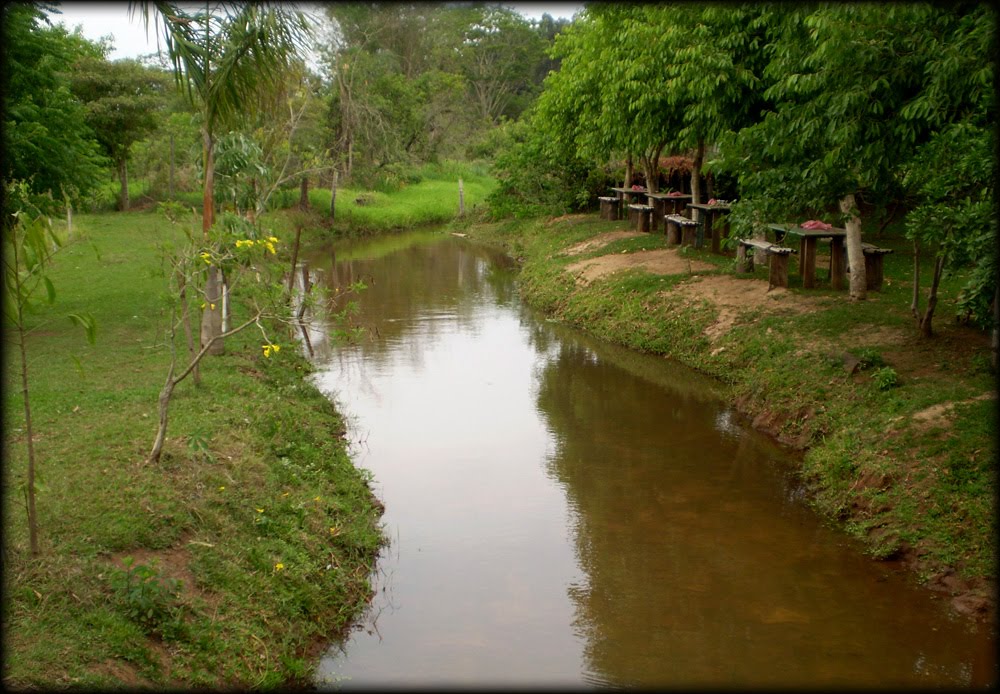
226, 57
499, 54
839, 76
123, 101
47, 141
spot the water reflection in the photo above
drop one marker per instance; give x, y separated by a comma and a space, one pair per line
566, 512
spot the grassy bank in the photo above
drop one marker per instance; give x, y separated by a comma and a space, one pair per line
899, 432
226, 565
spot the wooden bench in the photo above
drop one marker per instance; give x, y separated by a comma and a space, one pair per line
873, 265
609, 207
680, 229
640, 214
777, 260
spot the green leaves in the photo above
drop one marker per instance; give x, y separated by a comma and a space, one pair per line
85, 321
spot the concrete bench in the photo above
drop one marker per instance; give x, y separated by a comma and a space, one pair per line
609, 207
873, 265
640, 214
680, 229
777, 260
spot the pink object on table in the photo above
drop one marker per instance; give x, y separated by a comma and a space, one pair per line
637, 187
674, 194
711, 201
816, 224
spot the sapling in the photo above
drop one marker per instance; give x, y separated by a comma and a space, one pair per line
31, 243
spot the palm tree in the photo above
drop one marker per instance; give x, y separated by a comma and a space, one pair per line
226, 57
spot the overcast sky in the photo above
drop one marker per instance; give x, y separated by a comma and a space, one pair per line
99, 19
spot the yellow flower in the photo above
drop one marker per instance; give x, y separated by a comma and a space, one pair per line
207, 257
334, 530
279, 566
277, 348
285, 494
260, 510
212, 306
222, 488
270, 247
267, 350
316, 499
272, 239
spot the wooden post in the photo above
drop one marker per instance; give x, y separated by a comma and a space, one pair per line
778, 275
642, 219
689, 234
711, 232
461, 199
304, 193
759, 254
807, 260
873, 271
744, 260
333, 196
673, 232
837, 265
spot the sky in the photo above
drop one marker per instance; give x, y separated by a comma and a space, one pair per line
99, 19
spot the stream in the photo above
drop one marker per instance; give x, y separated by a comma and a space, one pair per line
564, 512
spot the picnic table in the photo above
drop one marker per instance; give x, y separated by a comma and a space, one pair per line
664, 204
625, 198
807, 252
711, 212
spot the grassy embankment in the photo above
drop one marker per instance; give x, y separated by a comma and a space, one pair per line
900, 452
255, 507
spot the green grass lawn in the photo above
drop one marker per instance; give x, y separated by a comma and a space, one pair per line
255, 507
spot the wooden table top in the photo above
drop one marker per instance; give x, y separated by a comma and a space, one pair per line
709, 208
668, 196
796, 230
642, 191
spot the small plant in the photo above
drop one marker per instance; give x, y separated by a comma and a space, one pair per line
145, 596
870, 359
885, 378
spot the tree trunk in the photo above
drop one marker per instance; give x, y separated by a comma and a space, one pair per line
333, 196
304, 193
629, 172
295, 260
164, 402
926, 329
208, 189
996, 325
30, 438
211, 315
855, 254
699, 158
123, 181
915, 303
186, 318
461, 199
170, 184
29, 434
168, 387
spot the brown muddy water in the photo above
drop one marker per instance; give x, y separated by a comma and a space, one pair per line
566, 513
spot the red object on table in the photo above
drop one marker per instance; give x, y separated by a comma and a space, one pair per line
816, 224
675, 194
